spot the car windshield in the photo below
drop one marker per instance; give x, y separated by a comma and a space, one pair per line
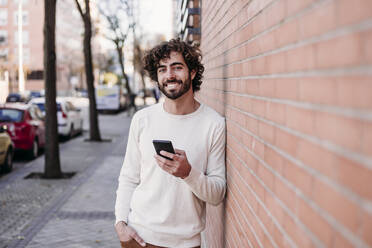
10, 115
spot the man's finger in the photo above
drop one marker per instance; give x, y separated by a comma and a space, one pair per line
167, 154
181, 152
165, 161
139, 239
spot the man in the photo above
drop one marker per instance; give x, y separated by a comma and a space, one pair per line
161, 202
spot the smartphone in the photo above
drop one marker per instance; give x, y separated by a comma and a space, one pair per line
163, 145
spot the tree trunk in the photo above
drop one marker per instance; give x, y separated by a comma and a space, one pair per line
119, 50
93, 116
52, 168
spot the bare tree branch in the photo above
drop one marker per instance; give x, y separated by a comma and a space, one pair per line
80, 9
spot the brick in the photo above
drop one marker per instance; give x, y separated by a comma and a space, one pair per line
307, 53
318, 90
294, 6
340, 51
354, 176
340, 241
296, 233
252, 87
367, 228
266, 176
275, 13
315, 223
267, 42
276, 112
286, 142
285, 194
266, 132
340, 130
287, 33
274, 160
367, 139
367, 41
354, 91
300, 178
342, 209
317, 158
258, 148
287, 88
361, 11
259, 66
302, 120
276, 63
325, 16
267, 87
251, 124
258, 107
251, 162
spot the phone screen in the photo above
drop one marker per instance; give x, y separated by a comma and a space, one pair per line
163, 145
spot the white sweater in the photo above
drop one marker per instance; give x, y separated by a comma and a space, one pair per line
163, 209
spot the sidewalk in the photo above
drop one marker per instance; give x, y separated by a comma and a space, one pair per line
75, 212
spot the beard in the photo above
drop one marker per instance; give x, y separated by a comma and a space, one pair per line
174, 93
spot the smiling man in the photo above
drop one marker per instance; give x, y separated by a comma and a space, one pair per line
161, 202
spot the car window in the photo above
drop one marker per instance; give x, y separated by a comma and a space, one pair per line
59, 107
11, 115
70, 106
33, 113
41, 106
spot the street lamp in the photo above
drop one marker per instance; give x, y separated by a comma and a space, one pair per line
21, 80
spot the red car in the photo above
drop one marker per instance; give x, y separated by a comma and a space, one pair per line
25, 126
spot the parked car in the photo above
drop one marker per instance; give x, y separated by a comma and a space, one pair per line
70, 121
6, 150
17, 97
25, 126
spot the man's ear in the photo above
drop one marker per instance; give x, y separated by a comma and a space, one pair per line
193, 74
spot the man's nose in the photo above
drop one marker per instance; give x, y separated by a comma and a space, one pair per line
170, 75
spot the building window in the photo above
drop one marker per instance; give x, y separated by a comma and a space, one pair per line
35, 75
4, 54
3, 2
3, 17
24, 18
24, 37
3, 37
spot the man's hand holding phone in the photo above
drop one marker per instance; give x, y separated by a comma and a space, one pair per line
173, 161
177, 165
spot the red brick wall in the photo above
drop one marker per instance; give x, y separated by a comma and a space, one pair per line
294, 80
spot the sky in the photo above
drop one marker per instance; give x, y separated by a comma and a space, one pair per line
156, 16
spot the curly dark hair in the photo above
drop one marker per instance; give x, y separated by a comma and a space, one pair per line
191, 54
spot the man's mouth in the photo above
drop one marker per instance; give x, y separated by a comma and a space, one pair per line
172, 84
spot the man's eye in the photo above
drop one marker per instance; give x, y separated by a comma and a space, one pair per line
161, 70
179, 67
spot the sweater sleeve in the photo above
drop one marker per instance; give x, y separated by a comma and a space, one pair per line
129, 177
211, 186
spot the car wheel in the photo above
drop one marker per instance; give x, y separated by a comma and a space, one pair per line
8, 163
34, 150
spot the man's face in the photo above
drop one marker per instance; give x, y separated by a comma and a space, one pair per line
174, 77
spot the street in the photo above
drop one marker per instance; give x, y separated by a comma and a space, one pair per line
76, 212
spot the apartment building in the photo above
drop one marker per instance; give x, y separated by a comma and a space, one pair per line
69, 44
32, 32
